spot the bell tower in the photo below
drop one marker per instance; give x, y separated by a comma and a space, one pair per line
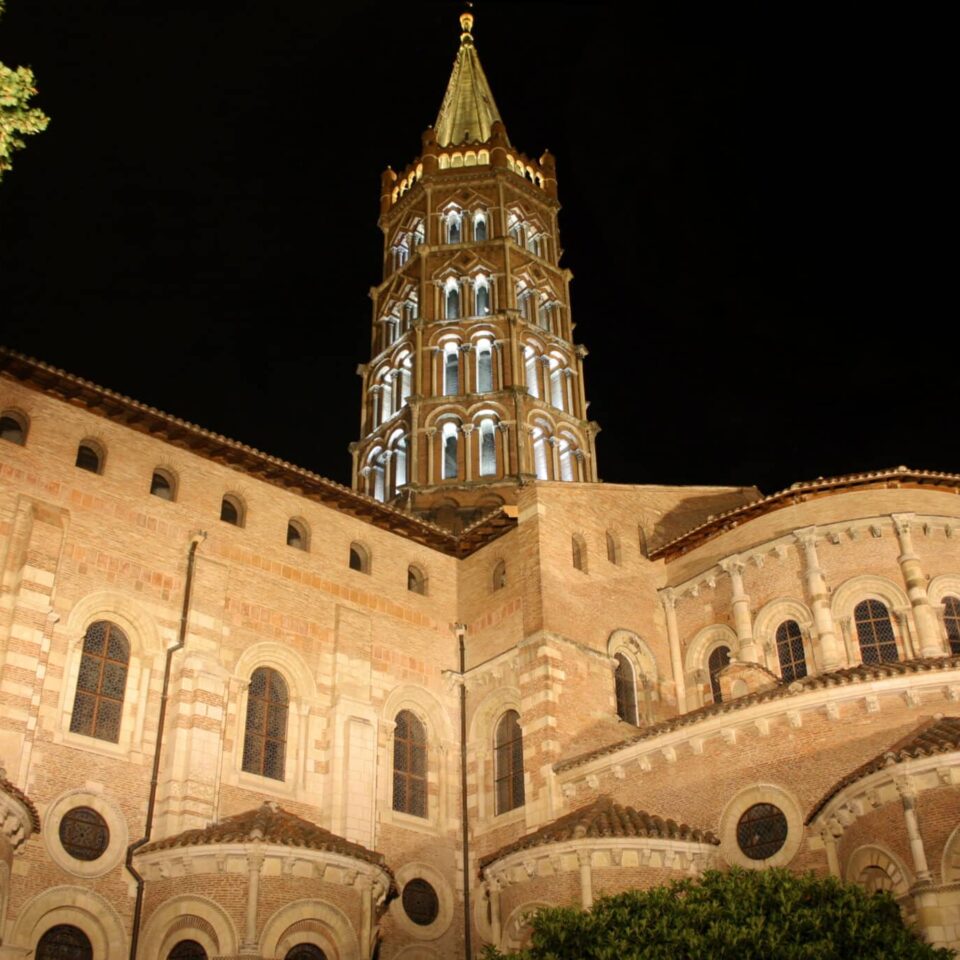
475, 385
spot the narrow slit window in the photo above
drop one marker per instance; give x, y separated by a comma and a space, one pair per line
626, 690
297, 535
508, 777
719, 659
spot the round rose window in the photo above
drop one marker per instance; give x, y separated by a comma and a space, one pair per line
761, 831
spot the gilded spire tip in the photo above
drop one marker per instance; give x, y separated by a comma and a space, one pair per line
466, 25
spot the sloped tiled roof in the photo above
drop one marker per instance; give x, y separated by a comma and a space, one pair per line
799, 493
14, 791
603, 818
932, 736
863, 673
269, 823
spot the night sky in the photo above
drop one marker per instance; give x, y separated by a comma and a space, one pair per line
753, 196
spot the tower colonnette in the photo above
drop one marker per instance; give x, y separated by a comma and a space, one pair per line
475, 385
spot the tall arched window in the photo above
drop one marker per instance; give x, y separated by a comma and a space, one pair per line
451, 369
400, 462
719, 659
875, 632
578, 548
265, 736
530, 371
626, 686
454, 226
557, 384
951, 620
567, 471
410, 765
479, 225
64, 942
449, 439
500, 575
488, 448
540, 454
508, 764
482, 293
484, 366
451, 300
101, 682
793, 662
386, 397
406, 378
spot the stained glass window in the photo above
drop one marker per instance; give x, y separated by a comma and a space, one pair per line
875, 632
793, 663
101, 682
509, 763
410, 765
265, 741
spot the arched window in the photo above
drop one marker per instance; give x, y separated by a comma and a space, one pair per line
406, 378
89, 457
13, 427
540, 454
479, 225
386, 397
187, 950
500, 575
514, 228
297, 535
101, 682
305, 951
449, 439
875, 632
484, 366
488, 449
719, 659
508, 764
451, 369
613, 548
359, 558
400, 462
530, 371
454, 227
544, 315
626, 686
579, 551
451, 300
163, 485
409, 765
416, 581
793, 662
231, 510
567, 471
64, 942
557, 384
378, 470
951, 620
265, 734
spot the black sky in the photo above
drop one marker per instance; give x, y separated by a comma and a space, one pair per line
753, 199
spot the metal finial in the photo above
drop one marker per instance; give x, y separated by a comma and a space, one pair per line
466, 24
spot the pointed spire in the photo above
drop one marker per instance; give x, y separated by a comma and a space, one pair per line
468, 111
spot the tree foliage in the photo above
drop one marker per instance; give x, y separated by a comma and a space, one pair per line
17, 118
730, 915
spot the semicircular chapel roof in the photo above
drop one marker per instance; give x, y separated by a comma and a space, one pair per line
604, 818
269, 823
931, 737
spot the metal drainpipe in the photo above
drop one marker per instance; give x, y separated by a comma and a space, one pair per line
467, 945
195, 540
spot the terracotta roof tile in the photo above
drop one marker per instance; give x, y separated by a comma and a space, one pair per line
269, 823
863, 673
797, 493
603, 818
13, 791
933, 736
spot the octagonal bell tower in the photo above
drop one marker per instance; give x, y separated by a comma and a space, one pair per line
475, 385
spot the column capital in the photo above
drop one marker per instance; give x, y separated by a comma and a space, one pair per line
902, 521
806, 536
668, 597
732, 565
467, 428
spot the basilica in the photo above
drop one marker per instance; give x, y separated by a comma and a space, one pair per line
248, 712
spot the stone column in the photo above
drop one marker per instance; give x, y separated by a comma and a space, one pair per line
496, 928
431, 433
586, 879
498, 353
846, 626
830, 846
581, 353
467, 429
248, 945
748, 650
929, 632
669, 601
554, 457
467, 384
819, 598
908, 796
906, 632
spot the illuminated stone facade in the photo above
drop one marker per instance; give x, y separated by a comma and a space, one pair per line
233, 691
